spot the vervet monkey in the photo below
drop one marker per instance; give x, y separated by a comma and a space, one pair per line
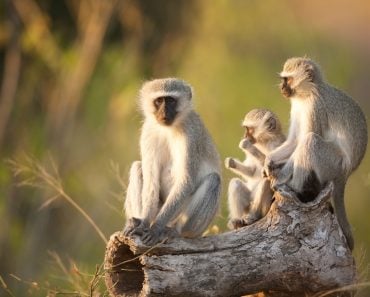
249, 198
175, 188
327, 137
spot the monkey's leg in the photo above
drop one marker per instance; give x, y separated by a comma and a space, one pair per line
202, 207
238, 201
133, 203
315, 156
323, 159
260, 204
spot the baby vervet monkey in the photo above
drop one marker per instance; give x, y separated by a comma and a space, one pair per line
249, 197
175, 188
326, 142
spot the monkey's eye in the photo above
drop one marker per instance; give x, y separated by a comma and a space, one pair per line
248, 131
287, 80
170, 100
157, 102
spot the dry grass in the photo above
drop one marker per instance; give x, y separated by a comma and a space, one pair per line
79, 283
34, 174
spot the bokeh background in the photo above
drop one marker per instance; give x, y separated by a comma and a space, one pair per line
70, 71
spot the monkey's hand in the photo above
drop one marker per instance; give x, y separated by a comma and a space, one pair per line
135, 226
245, 144
230, 163
156, 234
271, 168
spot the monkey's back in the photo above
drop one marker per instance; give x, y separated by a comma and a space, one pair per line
348, 123
206, 148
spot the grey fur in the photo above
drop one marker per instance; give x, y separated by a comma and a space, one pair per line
180, 170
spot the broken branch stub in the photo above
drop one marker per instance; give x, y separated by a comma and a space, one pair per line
296, 248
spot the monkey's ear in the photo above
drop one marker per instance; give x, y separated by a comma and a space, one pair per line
271, 124
310, 72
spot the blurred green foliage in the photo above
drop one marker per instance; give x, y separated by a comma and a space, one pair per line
81, 65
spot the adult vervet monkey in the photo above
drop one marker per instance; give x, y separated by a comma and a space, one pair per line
250, 197
175, 188
327, 137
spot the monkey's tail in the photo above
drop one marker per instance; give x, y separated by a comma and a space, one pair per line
340, 211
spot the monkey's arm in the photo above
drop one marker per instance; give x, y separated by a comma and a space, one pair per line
151, 177
248, 147
281, 154
239, 168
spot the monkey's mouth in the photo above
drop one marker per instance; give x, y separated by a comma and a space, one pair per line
251, 139
166, 118
287, 91
166, 121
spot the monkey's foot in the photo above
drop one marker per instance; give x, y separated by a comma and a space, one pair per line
156, 234
234, 224
279, 181
135, 226
249, 219
272, 170
285, 191
242, 222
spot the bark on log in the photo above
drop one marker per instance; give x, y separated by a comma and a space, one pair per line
296, 249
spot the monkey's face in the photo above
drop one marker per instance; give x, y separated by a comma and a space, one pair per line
261, 126
166, 101
249, 134
165, 110
299, 77
286, 86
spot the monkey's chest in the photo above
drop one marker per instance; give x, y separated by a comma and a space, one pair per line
166, 181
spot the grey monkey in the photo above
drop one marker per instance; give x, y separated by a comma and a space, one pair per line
175, 188
249, 197
326, 142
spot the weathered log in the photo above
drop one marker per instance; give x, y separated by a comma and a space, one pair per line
296, 249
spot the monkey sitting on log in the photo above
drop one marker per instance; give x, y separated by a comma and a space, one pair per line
249, 198
175, 188
326, 142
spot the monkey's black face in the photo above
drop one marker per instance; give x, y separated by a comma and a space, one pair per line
165, 110
249, 134
285, 86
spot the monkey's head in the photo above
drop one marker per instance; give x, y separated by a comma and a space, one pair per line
299, 77
166, 100
261, 125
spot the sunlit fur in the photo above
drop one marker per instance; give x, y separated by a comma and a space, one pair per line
327, 137
177, 182
249, 198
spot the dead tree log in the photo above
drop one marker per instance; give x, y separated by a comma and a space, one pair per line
297, 248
